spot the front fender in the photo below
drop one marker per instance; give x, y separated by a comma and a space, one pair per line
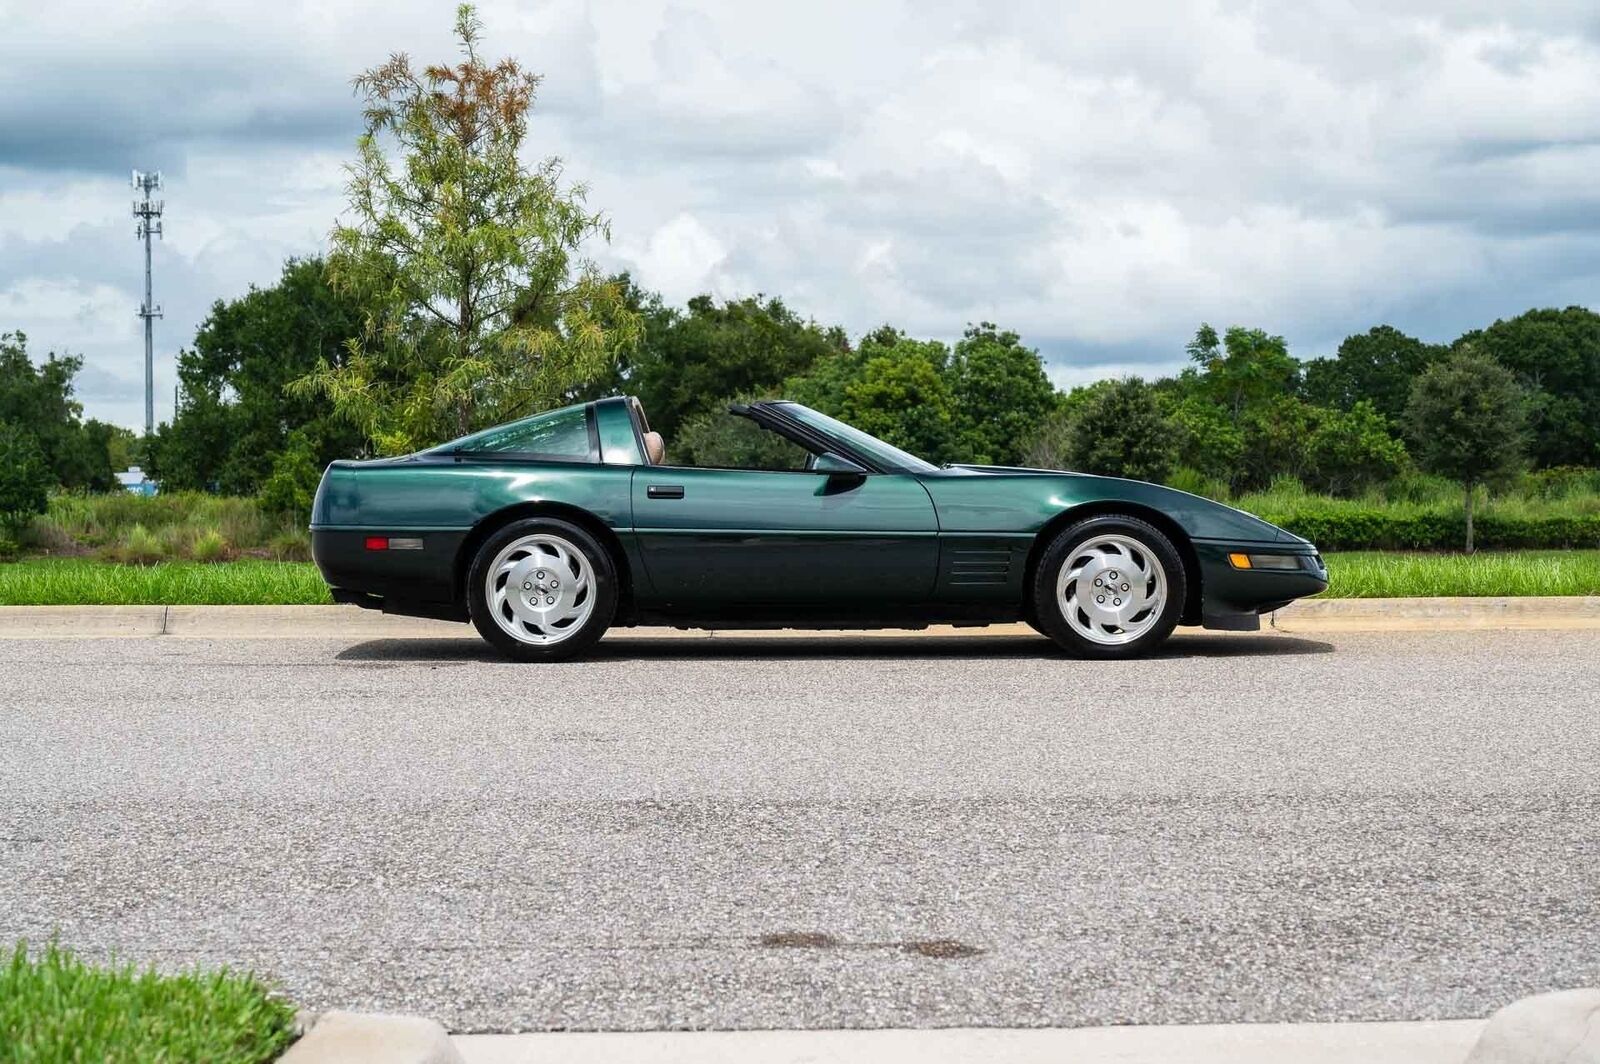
1024, 501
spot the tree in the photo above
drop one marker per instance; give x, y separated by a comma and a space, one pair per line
1377, 367
1244, 368
25, 480
1206, 439
1277, 437
467, 261
292, 485
1556, 356
725, 441
892, 386
693, 361
1001, 393
1119, 431
39, 401
235, 412
1466, 417
1350, 450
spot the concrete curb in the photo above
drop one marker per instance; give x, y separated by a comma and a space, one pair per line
373, 1038
1562, 1027
1439, 1042
350, 622
1424, 614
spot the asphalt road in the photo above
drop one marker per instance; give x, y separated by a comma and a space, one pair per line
820, 833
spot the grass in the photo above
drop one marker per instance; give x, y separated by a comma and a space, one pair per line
1356, 574
83, 582
1388, 574
54, 1007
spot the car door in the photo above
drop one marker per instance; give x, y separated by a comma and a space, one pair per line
750, 537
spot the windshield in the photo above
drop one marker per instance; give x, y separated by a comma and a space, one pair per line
871, 446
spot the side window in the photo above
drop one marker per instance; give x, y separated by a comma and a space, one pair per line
724, 441
563, 435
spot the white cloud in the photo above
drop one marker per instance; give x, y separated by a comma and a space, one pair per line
680, 258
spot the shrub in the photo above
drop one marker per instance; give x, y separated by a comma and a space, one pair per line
293, 545
139, 546
78, 524
1561, 482
1435, 529
1197, 483
1417, 487
209, 546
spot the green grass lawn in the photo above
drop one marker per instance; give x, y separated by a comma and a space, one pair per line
1392, 574
79, 581
1357, 574
54, 1007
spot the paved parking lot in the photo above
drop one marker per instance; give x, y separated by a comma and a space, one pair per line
820, 832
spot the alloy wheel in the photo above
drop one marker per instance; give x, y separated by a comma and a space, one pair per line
540, 589
1112, 589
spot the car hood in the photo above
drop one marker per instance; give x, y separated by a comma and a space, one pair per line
1202, 518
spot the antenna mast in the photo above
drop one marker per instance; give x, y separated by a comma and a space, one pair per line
148, 213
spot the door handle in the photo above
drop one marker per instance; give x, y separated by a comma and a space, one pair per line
664, 491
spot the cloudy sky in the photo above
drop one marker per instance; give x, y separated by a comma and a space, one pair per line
1098, 176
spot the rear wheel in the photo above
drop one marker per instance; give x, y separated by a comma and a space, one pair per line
542, 590
1109, 587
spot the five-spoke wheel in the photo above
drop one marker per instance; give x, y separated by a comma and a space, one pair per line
542, 589
1110, 586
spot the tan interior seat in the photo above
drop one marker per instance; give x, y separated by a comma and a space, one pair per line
655, 448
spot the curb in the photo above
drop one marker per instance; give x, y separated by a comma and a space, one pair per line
1416, 1042
1426, 614
378, 1038
345, 622
1562, 1027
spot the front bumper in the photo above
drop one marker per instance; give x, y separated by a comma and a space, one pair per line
1233, 599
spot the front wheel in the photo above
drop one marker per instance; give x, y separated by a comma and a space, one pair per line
1109, 587
542, 590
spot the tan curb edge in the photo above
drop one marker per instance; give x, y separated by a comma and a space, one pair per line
1428, 614
373, 1038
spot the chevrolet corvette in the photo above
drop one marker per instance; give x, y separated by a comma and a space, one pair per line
545, 532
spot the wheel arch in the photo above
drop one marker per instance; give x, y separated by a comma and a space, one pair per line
1118, 508
603, 533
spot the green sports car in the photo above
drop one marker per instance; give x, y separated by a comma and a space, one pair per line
547, 531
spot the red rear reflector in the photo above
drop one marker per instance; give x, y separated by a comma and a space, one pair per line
377, 542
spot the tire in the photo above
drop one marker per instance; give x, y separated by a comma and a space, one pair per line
568, 594
1141, 558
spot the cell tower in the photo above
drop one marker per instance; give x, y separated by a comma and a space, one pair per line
148, 212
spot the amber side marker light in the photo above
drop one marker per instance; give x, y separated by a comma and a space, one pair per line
1264, 561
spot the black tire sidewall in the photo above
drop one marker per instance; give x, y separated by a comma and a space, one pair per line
1046, 610
605, 590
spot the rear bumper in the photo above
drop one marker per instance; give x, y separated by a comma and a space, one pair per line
1233, 599
414, 583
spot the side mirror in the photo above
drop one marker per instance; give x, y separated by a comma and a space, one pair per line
836, 465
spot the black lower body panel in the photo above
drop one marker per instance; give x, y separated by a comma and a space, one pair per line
411, 583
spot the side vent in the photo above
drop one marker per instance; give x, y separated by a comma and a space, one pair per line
976, 565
